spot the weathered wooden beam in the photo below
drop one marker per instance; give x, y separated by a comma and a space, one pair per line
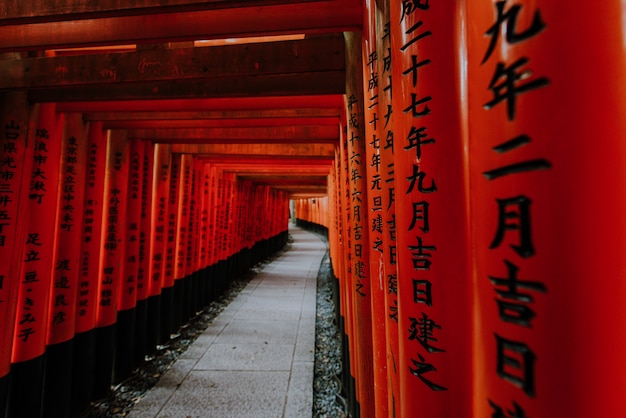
316, 55
248, 20
220, 123
273, 135
55, 10
329, 101
324, 150
238, 115
323, 83
265, 160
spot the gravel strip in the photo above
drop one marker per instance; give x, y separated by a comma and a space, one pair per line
326, 399
327, 369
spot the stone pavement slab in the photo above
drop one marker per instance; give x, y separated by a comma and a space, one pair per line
256, 359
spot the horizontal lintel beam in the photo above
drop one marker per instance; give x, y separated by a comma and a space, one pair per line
322, 16
316, 55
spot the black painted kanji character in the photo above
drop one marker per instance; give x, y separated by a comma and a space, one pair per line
499, 412
422, 330
514, 307
516, 364
516, 219
508, 89
418, 177
415, 64
422, 292
509, 18
416, 138
421, 367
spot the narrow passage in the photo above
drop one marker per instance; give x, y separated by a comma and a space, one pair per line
256, 358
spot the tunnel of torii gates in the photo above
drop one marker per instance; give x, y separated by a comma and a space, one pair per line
149, 154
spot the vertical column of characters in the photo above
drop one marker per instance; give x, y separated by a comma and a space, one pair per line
347, 288
143, 256
15, 165
71, 210
128, 288
204, 245
198, 193
189, 306
219, 215
37, 260
229, 203
158, 242
357, 181
146, 231
127, 291
35, 278
91, 231
209, 187
218, 186
112, 253
546, 179
235, 229
114, 226
173, 212
184, 202
375, 207
66, 267
385, 142
250, 206
433, 251
510, 156
91, 234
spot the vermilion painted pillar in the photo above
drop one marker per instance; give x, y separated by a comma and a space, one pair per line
206, 245
167, 292
182, 239
61, 327
361, 285
144, 259
546, 141
193, 259
385, 141
434, 282
114, 226
16, 156
375, 196
88, 282
203, 231
127, 294
31, 322
158, 248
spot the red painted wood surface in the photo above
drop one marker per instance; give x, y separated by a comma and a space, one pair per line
431, 211
173, 201
17, 120
92, 232
375, 183
31, 323
546, 179
114, 226
160, 214
146, 230
62, 323
128, 288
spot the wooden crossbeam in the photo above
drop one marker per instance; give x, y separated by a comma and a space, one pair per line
273, 135
317, 55
323, 83
329, 101
235, 115
323, 150
151, 25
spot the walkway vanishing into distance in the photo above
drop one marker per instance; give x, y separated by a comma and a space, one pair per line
256, 358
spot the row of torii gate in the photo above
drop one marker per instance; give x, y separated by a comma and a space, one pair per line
464, 158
